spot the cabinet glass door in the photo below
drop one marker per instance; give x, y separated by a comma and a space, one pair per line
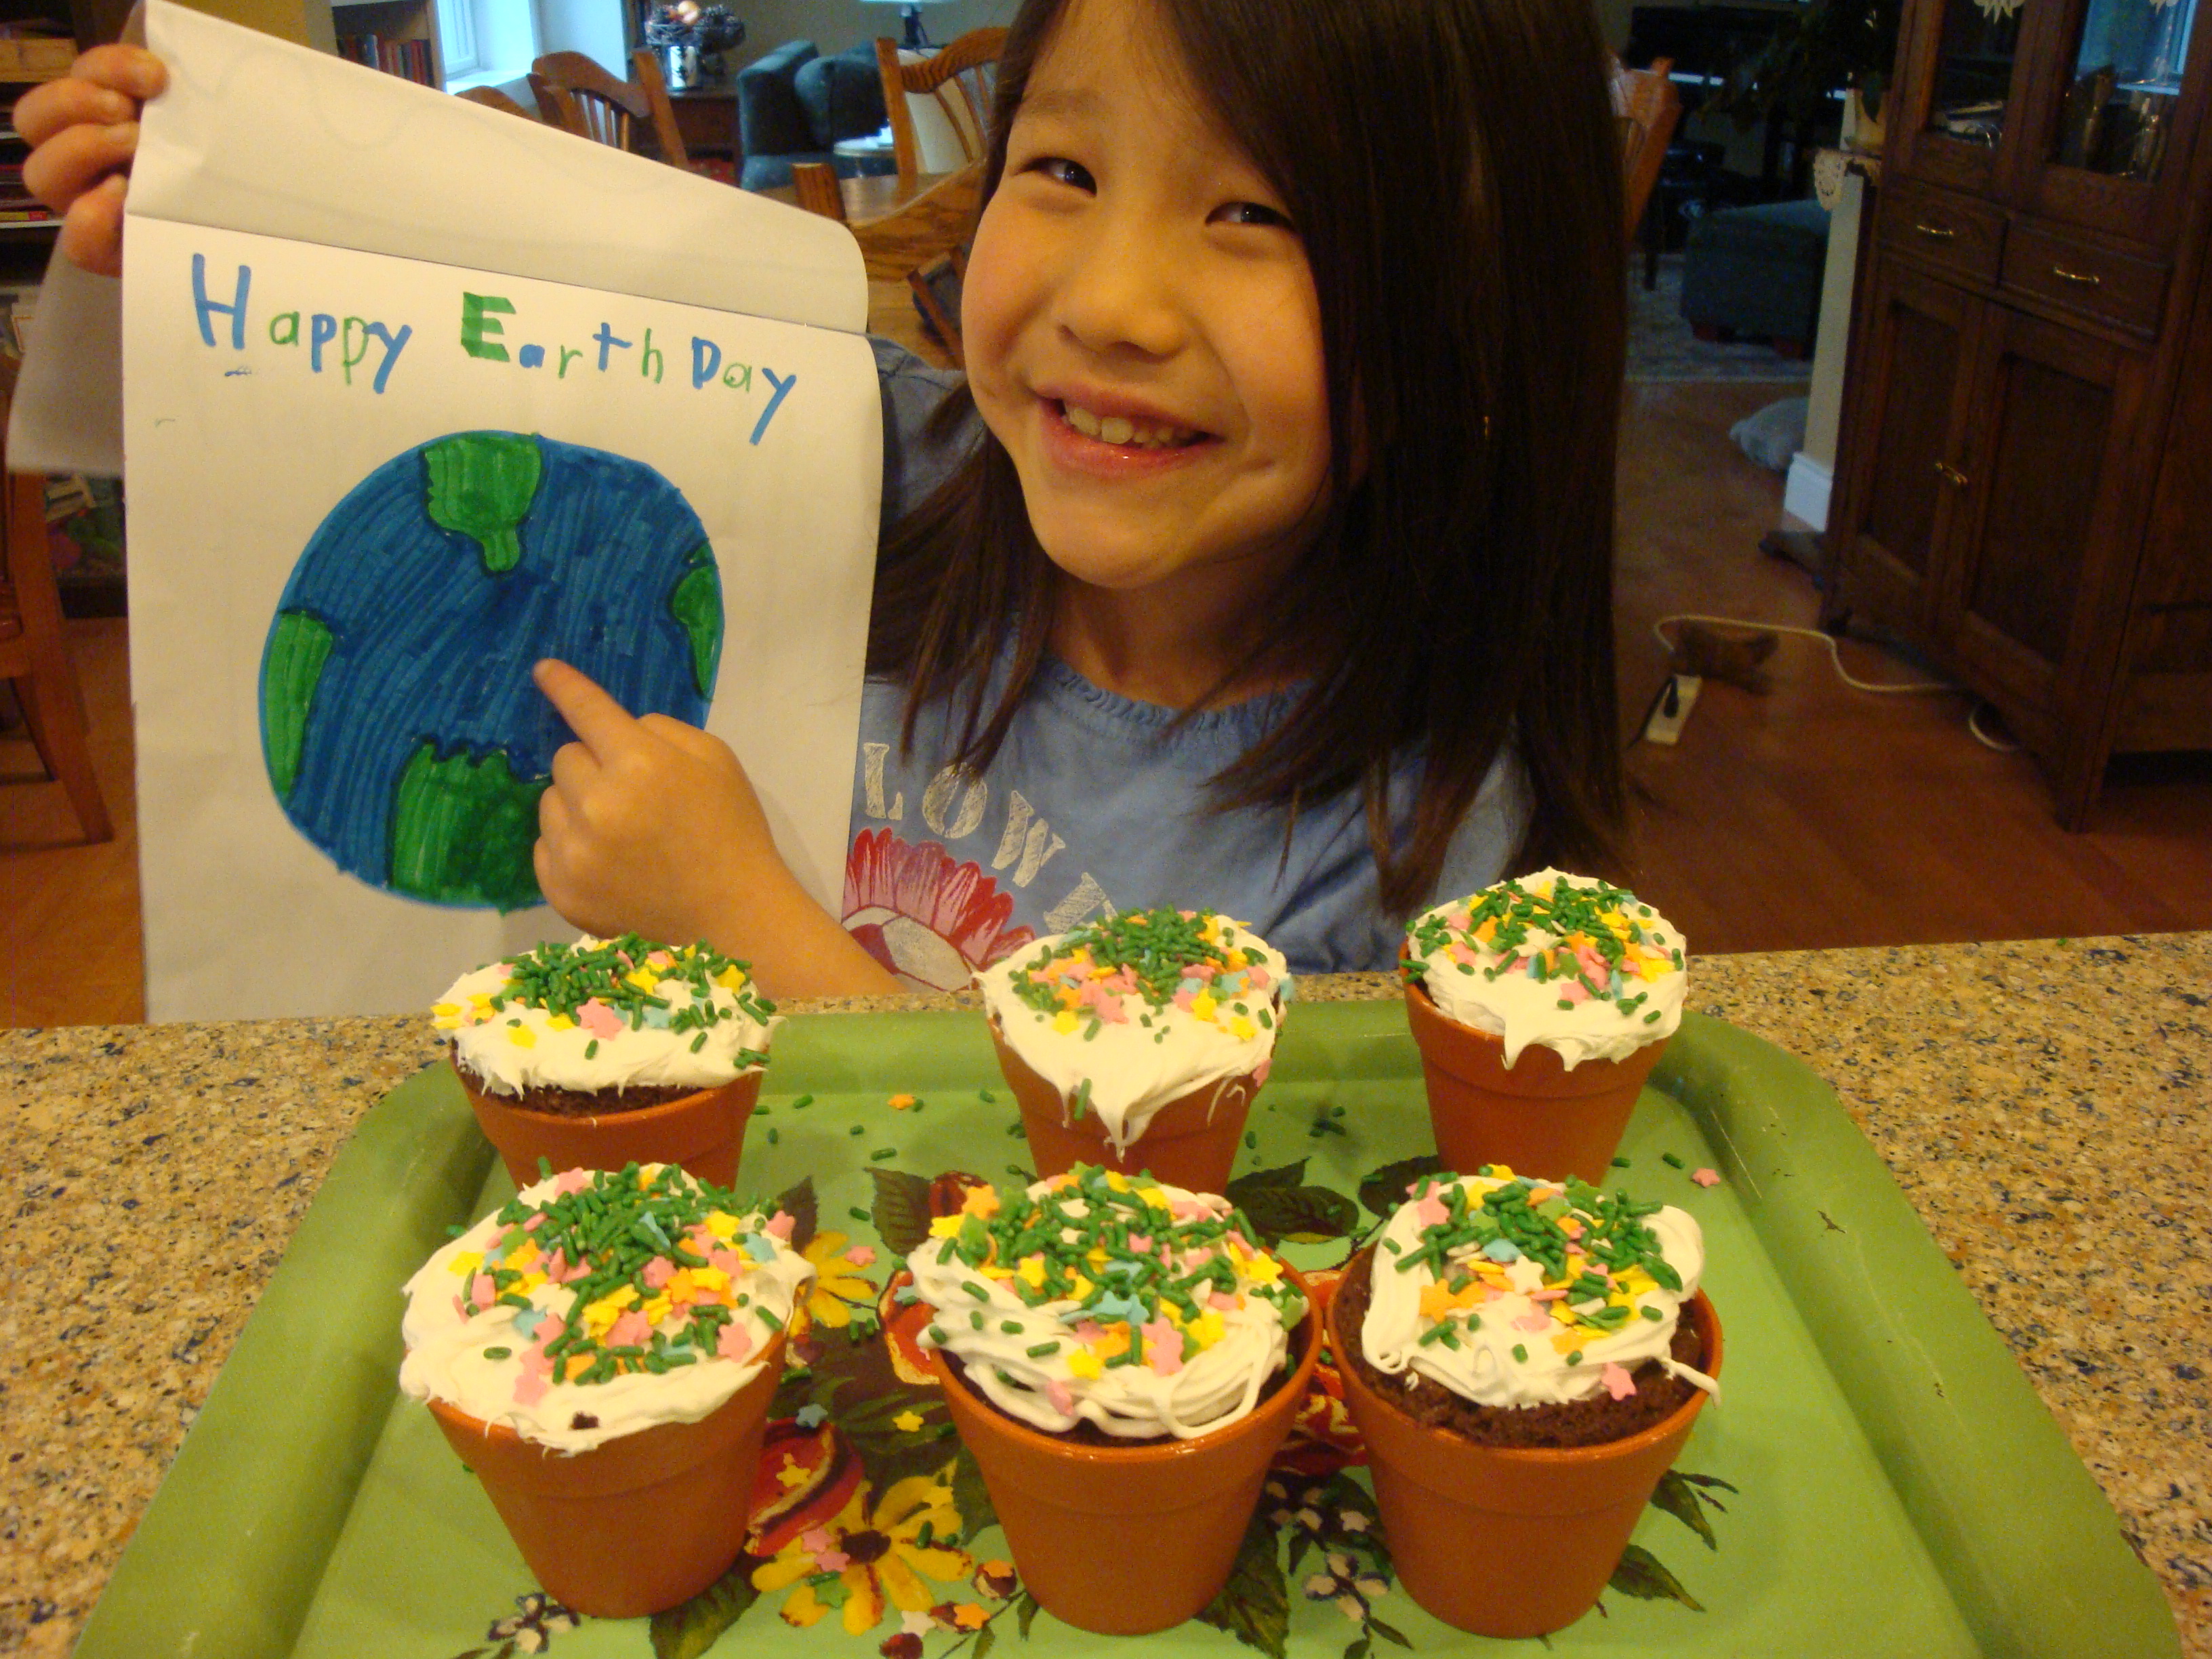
2124, 87
1971, 87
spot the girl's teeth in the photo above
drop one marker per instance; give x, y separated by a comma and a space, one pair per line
1120, 429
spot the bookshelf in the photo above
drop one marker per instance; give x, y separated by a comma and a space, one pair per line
26, 229
397, 36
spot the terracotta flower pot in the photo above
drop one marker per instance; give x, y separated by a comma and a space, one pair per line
1536, 1116
1123, 1541
701, 1132
1190, 1142
1550, 1524
634, 1526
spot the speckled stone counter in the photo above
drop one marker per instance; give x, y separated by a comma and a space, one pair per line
2044, 1104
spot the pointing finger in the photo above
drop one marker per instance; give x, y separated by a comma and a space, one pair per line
604, 724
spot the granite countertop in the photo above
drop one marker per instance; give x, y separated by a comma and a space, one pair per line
2045, 1105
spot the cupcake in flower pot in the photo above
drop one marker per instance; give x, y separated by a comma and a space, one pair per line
1123, 1359
601, 1352
1138, 1043
1540, 1007
1524, 1359
609, 1052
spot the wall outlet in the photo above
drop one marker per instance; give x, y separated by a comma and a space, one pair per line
1670, 710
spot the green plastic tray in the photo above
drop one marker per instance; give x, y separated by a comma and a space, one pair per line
1887, 1482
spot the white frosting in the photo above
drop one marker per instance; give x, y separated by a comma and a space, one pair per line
1495, 990
516, 1047
1245, 1333
447, 1356
1502, 1312
1126, 1058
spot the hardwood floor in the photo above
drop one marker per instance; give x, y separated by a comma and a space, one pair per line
69, 913
1813, 816
1816, 815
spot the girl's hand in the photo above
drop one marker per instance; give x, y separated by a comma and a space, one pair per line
84, 130
651, 826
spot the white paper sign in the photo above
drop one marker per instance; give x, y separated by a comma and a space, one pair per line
369, 486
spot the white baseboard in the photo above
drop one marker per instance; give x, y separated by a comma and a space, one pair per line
1806, 492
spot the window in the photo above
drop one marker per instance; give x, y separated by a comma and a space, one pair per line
456, 36
488, 42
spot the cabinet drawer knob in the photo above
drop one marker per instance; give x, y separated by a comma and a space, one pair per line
1950, 473
2086, 278
1940, 233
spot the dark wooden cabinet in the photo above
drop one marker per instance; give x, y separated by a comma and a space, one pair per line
2024, 472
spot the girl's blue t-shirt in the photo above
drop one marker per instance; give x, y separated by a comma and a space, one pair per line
1096, 803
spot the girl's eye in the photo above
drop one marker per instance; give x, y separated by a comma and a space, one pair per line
1062, 171
1251, 213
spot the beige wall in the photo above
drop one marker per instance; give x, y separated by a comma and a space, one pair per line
1824, 416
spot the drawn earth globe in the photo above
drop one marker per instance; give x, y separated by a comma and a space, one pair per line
401, 731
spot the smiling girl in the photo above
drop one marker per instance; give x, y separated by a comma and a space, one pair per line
1263, 560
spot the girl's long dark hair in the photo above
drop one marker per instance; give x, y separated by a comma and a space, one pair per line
1453, 166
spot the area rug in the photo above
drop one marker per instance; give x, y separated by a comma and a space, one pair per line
1662, 349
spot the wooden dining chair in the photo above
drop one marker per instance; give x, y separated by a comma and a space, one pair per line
815, 184
34, 655
959, 79
493, 98
936, 287
574, 94
1649, 108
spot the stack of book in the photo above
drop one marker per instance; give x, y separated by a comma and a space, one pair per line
409, 60
17, 205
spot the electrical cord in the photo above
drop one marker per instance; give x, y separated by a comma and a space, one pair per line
1835, 656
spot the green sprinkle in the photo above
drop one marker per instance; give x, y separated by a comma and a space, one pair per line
1251, 1140
859, 1214
987, 1097
497, 1353
1041, 1349
802, 1102
881, 1153
1620, 1163
772, 1137
1670, 1159
858, 1130
1651, 1314
1520, 1354
1575, 1358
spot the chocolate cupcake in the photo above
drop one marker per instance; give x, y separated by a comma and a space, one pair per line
1123, 1359
611, 1396
1539, 1006
1524, 1358
609, 1052
1138, 1043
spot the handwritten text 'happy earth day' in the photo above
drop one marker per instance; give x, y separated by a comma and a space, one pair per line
481, 337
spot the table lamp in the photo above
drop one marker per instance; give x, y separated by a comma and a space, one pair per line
916, 39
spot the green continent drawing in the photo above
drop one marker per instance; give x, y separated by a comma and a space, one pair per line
482, 484
462, 830
298, 645
695, 601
